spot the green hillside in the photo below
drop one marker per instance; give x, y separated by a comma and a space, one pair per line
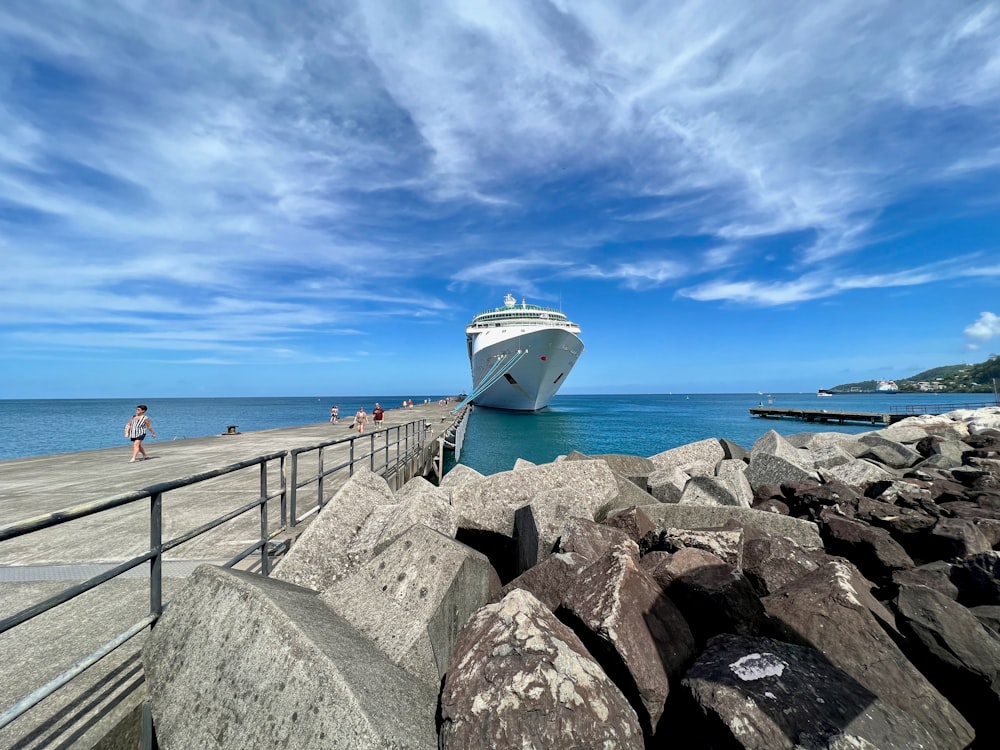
950, 379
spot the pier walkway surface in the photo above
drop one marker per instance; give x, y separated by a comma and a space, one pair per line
39, 565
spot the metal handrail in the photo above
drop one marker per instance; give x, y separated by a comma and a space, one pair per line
408, 438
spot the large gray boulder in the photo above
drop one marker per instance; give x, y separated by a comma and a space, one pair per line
708, 452
665, 516
342, 536
766, 468
459, 475
239, 660
427, 507
634, 468
521, 679
773, 444
734, 473
889, 452
490, 505
413, 598
710, 491
858, 473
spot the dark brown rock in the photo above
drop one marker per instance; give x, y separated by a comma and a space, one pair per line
978, 579
772, 562
713, 596
832, 610
901, 523
955, 538
632, 628
872, 549
934, 575
633, 521
988, 616
520, 678
956, 653
550, 578
589, 539
807, 499
762, 694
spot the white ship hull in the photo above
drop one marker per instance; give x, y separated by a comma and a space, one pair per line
520, 355
544, 359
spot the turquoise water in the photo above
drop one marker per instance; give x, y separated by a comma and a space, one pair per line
647, 424
637, 424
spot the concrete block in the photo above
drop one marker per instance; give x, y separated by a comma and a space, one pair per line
413, 598
239, 660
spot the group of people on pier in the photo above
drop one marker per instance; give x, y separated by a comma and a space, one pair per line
361, 417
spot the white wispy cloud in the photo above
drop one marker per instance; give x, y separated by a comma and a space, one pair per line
985, 328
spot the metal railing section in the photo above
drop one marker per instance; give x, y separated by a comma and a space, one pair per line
387, 451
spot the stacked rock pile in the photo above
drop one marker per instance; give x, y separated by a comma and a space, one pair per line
819, 591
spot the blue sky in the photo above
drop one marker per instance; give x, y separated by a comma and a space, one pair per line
264, 198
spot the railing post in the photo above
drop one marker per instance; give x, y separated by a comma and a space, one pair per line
293, 481
319, 481
284, 491
350, 460
265, 560
156, 546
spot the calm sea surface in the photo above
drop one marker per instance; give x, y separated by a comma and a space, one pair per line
41, 427
637, 424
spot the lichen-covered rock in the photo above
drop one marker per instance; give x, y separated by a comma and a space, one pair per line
709, 491
521, 679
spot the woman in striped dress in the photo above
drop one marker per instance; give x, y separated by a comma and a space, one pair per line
135, 430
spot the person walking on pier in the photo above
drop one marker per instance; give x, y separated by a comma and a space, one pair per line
135, 430
359, 419
378, 414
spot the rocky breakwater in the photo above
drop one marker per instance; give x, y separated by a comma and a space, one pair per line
818, 591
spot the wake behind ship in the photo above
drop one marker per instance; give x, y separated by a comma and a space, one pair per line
520, 355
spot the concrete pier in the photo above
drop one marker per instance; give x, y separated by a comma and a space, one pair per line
100, 708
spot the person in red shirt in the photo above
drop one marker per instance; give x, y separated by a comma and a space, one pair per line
377, 415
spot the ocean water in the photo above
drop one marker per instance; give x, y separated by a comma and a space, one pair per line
637, 424
644, 425
42, 427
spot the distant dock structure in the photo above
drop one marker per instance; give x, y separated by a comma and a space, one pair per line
838, 416
827, 415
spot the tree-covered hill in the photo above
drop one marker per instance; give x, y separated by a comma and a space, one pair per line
976, 378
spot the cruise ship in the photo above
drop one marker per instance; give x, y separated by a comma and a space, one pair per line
520, 355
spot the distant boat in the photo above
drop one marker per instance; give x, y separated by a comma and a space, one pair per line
824, 392
887, 386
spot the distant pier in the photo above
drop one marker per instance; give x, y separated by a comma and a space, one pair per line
839, 416
827, 415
